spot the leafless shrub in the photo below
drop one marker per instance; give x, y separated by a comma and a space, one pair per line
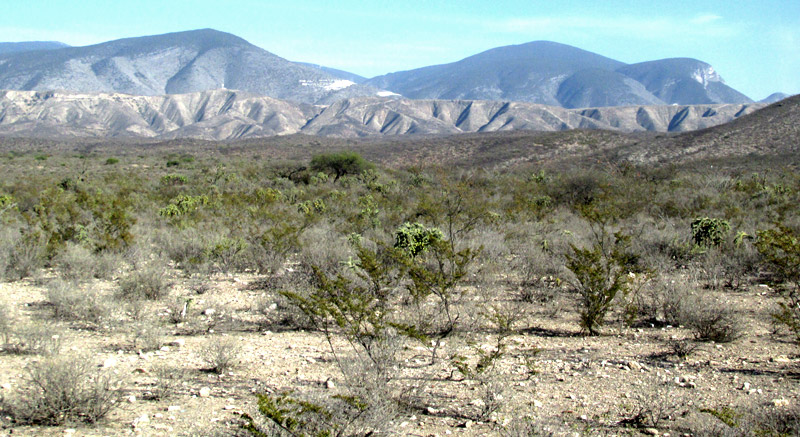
32, 339
69, 302
324, 248
652, 401
711, 320
681, 348
27, 253
146, 335
220, 354
63, 390
179, 310
75, 263
167, 381
147, 283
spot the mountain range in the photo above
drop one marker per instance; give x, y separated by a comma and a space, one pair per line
227, 115
556, 74
185, 62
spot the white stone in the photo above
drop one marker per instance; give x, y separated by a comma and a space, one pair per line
780, 402
205, 392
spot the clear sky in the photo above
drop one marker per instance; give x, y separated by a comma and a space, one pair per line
753, 44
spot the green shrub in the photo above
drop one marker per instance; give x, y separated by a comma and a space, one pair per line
600, 274
415, 238
183, 205
707, 232
174, 179
307, 415
780, 248
112, 161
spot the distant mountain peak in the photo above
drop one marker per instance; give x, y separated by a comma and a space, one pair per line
174, 63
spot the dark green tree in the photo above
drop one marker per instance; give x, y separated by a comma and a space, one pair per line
339, 164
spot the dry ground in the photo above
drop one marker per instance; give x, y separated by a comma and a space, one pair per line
575, 384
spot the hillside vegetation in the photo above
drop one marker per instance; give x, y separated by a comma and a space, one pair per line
224, 291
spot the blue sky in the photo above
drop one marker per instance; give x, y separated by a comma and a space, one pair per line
754, 45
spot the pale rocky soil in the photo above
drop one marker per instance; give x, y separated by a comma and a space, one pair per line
582, 385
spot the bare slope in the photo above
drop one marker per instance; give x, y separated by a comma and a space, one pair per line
226, 114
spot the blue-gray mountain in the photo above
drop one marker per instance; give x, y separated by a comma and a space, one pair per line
29, 46
201, 60
774, 97
173, 63
557, 74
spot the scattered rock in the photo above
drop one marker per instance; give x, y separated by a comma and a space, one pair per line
178, 342
209, 312
110, 362
139, 370
229, 407
478, 403
330, 385
6, 386
537, 403
144, 418
131, 399
174, 408
650, 431
205, 392
780, 402
468, 424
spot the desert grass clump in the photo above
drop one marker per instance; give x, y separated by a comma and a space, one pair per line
63, 390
